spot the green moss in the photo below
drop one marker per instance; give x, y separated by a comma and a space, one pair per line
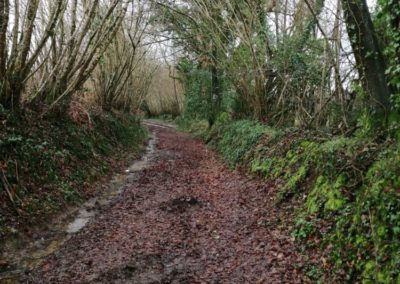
351, 183
326, 195
296, 178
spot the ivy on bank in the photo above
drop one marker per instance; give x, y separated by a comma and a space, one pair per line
350, 186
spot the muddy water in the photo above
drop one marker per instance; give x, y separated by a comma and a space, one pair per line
117, 185
25, 253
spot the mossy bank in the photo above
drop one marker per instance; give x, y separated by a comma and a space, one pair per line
47, 164
348, 189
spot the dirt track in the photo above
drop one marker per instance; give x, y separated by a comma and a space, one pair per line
184, 219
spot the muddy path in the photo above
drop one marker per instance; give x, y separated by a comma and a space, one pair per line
183, 218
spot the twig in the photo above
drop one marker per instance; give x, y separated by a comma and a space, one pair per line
5, 184
16, 172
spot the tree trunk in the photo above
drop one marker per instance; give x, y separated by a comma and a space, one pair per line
368, 55
215, 90
12, 94
4, 17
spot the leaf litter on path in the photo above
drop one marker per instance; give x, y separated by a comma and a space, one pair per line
185, 219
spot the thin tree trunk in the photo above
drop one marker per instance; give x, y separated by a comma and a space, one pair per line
215, 90
14, 48
4, 17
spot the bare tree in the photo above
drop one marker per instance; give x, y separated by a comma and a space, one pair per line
24, 51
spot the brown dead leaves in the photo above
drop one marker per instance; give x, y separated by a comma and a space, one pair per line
187, 219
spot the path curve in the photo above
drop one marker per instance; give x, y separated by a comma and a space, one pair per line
185, 219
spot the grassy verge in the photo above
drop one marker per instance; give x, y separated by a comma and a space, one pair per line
348, 189
46, 164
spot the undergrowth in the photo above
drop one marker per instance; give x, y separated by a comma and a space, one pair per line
350, 187
48, 163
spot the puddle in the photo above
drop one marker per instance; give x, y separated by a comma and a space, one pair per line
144, 162
116, 188
80, 222
24, 254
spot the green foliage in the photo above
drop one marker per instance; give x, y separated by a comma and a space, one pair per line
343, 168
352, 188
303, 228
48, 163
200, 103
387, 21
326, 195
286, 158
198, 128
315, 273
233, 149
350, 183
302, 59
198, 95
368, 230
